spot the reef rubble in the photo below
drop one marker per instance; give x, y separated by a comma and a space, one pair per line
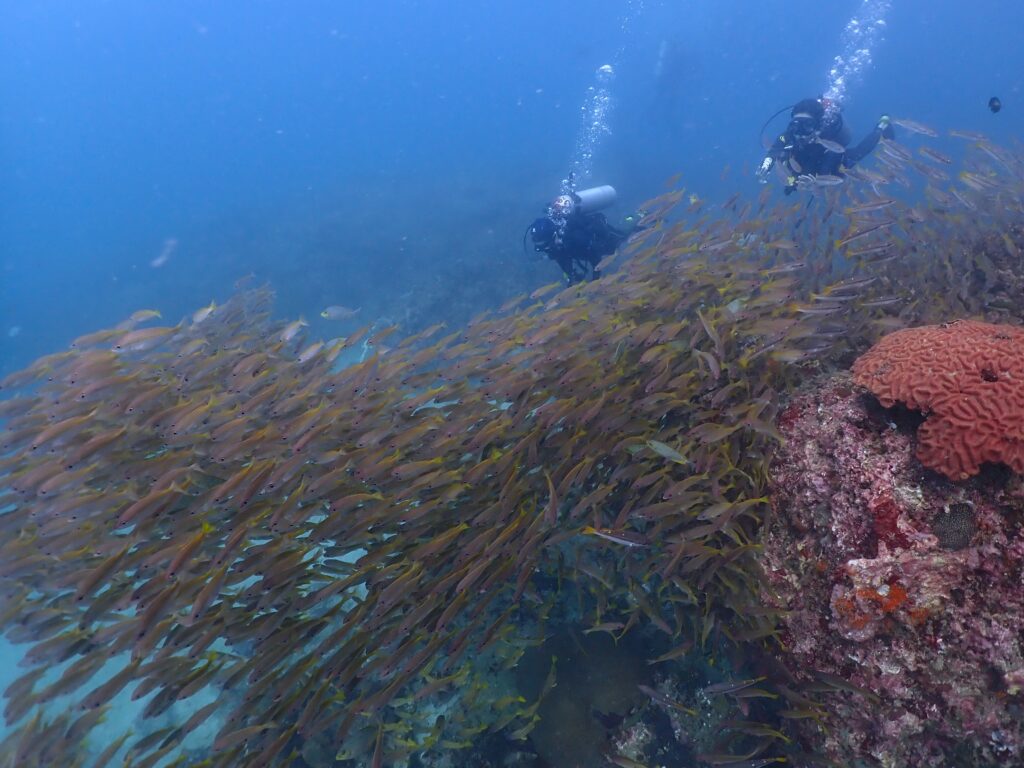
899, 581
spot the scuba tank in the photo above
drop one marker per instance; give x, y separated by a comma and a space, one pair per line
595, 198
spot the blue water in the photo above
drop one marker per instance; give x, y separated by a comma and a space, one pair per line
389, 155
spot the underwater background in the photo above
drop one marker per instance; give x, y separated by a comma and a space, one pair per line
268, 160
391, 156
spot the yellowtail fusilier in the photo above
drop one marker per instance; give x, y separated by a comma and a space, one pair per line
935, 155
915, 127
873, 205
832, 146
854, 236
625, 538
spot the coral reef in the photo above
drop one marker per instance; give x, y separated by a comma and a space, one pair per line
593, 686
968, 377
904, 588
344, 546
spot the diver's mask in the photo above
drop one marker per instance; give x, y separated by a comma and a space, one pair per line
803, 128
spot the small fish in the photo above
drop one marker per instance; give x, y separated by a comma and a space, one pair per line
976, 181
827, 297
551, 512
915, 127
663, 699
544, 290
98, 574
226, 738
874, 205
731, 686
832, 146
142, 339
858, 234
666, 451
932, 154
187, 550
715, 245
1011, 246
968, 135
810, 181
192, 347
883, 301
841, 684
201, 314
853, 284
625, 538
895, 151
782, 269
378, 749
338, 312
818, 311
755, 693
608, 626
808, 713
870, 249
712, 433
963, 200
995, 104
292, 329
144, 314
675, 653
310, 352
621, 760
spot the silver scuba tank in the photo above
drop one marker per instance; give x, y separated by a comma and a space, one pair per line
595, 198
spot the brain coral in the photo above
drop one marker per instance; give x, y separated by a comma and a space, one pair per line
967, 377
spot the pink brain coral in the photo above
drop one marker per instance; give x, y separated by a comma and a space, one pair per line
967, 377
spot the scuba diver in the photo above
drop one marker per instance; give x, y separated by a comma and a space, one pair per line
575, 235
815, 144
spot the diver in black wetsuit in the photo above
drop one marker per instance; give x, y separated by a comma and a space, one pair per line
815, 144
575, 236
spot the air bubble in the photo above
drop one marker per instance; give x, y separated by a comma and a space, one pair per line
597, 107
859, 38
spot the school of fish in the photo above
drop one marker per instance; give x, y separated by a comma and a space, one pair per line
221, 509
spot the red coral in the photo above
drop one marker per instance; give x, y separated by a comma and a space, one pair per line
886, 513
968, 378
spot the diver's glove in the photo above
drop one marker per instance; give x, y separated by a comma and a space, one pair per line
885, 126
632, 221
764, 169
793, 183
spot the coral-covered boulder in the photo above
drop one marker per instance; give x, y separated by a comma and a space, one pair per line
900, 582
968, 378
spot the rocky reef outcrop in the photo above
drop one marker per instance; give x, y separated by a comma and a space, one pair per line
903, 584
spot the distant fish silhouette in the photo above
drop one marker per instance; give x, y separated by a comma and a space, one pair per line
337, 312
995, 104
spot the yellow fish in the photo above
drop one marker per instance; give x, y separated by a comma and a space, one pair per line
201, 314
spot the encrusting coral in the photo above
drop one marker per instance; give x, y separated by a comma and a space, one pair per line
900, 583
